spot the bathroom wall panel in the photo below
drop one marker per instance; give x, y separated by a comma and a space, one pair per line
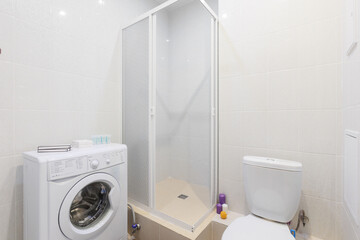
294, 111
6, 36
59, 81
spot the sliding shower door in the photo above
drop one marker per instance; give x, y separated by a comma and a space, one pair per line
183, 111
170, 111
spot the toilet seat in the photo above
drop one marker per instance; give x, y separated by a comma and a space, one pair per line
251, 227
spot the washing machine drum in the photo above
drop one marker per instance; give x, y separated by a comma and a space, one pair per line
89, 206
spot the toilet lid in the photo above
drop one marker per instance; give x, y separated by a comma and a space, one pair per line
255, 228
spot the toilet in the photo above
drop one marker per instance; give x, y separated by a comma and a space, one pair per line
272, 191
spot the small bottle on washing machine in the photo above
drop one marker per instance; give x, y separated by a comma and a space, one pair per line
101, 139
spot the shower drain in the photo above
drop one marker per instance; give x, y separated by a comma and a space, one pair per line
183, 196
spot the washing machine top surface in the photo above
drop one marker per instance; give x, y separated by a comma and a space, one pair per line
75, 152
251, 227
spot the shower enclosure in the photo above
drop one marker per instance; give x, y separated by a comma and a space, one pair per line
170, 110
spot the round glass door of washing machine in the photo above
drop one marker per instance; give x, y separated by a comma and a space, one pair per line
89, 206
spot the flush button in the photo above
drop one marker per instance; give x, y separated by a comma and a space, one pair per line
107, 161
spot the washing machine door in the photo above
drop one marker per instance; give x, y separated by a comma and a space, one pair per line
89, 206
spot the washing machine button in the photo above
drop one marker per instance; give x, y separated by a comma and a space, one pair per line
94, 164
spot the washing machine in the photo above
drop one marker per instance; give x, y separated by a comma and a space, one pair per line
77, 195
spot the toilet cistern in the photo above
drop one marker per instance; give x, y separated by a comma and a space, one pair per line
272, 192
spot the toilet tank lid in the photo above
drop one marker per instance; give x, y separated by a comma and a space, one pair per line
274, 163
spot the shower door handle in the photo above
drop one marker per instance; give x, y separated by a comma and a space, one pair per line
152, 111
213, 112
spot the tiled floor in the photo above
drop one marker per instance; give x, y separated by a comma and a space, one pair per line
188, 210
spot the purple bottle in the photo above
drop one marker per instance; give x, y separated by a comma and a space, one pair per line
218, 208
222, 198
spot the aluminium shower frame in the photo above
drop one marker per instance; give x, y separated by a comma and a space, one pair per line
151, 15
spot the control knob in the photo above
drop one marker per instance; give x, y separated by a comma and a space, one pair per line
94, 164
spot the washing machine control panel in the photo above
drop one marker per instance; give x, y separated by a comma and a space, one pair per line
94, 164
78, 165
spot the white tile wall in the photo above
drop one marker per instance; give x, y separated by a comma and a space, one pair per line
266, 47
322, 214
58, 81
277, 82
283, 130
6, 36
316, 165
280, 96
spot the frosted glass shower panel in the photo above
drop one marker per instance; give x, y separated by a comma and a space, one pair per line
135, 108
183, 110
170, 110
